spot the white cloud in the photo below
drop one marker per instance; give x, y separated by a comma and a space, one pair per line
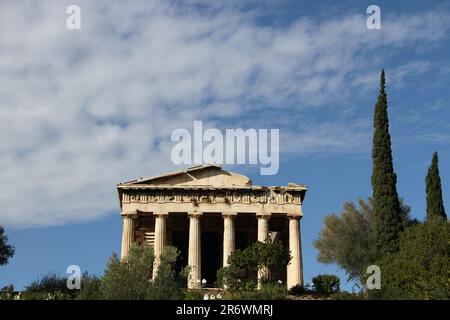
329, 138
397, 76
83, 110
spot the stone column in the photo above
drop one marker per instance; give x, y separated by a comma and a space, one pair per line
263, 234
300, 251
294, 272
160, 240
194, 258
127, 235
228, 236
263, 227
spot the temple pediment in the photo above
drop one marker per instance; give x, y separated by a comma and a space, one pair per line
205, 175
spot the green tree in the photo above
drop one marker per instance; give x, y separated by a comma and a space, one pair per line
242, 270
129, 279
169, 285
421, 267
386, 204
269, 258
272, 257
348, 240
435, 203
6, 250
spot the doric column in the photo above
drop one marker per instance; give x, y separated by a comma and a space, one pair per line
263, 227
263, 234
294, 270
194, 258
160, 240
228, 236
127, 235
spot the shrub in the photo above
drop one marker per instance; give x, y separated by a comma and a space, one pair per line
235, 279
273, 291
50, 286
326, 283
297, 290
49, 282
343, 295
7, 293
268, 291
90, 287
194, 295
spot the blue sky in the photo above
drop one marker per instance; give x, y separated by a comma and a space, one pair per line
83, 110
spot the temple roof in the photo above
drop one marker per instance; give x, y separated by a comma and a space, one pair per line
210, 176
203, 175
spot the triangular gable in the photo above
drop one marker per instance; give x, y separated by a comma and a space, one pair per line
206, 175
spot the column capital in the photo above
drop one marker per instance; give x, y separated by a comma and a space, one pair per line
129, 214
294, 216
161, 214
229, 214
195, 214
261, 215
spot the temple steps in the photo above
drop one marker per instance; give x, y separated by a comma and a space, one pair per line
149, 237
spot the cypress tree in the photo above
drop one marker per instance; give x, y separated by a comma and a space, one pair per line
435, 204
386, 204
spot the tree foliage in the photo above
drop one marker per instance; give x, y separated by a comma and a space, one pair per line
268, 258
6, 250
90, 287
49, 286
169, 285
326, 283
348, 239
414, 257
49, 282
421, 267
435, 203
386, 204
129, 279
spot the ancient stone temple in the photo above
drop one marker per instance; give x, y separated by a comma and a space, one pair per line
207, 212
